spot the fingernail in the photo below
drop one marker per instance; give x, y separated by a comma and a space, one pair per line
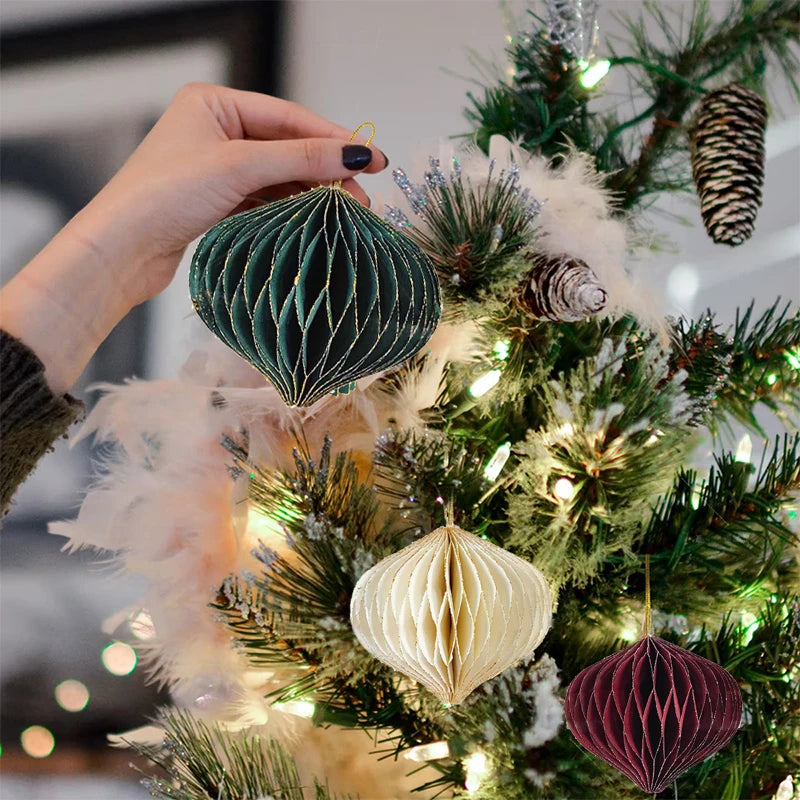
356, 156
386, 159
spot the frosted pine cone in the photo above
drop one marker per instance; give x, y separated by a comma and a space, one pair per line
562, 289
727, 146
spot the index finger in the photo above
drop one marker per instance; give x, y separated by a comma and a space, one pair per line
265, 117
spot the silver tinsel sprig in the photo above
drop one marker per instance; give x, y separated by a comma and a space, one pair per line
417, 196
572, 24
395, 217
435, 177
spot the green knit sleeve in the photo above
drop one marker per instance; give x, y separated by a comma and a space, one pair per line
31, 416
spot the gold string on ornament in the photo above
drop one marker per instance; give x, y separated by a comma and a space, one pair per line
338, 184
648, 628
449, 513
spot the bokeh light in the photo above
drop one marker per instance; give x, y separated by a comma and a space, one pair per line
72, 695
119, 658
37, 741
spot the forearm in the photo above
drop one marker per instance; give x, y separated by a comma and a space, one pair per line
63, 304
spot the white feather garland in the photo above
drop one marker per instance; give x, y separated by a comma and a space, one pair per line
576, 218
166, 505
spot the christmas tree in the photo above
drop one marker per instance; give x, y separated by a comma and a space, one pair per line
552, 414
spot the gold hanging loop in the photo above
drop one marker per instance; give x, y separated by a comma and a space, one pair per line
338, 184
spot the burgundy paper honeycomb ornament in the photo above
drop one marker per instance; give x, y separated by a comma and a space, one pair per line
653, 710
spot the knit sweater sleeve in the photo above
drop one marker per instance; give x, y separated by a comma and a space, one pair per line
31, 416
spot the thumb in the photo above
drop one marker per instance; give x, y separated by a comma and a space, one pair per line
255, 164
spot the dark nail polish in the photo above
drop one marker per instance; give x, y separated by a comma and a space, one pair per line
386, 158
356, 156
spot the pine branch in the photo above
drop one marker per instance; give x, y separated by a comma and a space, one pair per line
295, 616
204, 762
546, 107
614, 432
730, 372
726, 536
763, 656
470, 231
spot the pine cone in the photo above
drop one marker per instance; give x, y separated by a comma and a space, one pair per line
562, 289
727, 147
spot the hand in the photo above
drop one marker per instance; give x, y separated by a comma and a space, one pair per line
213, 152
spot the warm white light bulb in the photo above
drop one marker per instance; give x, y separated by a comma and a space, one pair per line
477, 767
497, 462
629, 634
564, 489
262, 527
432, 751
786, 789
750, 624
485, 383
298, 708
594, 74
745, 449
501, 349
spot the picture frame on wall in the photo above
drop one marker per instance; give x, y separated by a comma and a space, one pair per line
80, 90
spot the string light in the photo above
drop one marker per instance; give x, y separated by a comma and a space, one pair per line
142, 626
497, 462
772, 379
629, 634
477, 767
298, 708
592, 75
37, 741
750, 625
119, 658
745, 449
502, 348
793, 360
485, 383
564, 489
261, 526
432, 751
72, 695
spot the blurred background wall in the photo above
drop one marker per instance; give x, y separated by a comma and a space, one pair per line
81, 83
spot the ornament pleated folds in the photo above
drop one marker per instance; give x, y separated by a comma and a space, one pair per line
315, 291
653, 710
451, 611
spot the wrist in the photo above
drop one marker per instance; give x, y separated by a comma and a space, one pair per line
63, 304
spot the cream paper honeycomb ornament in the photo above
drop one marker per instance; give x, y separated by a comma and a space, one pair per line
451, 611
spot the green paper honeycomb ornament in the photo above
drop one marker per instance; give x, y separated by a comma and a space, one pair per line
315, 291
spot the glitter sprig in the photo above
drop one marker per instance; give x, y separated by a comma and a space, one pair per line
469, 230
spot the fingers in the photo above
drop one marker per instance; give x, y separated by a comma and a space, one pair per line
252, 165
267, 118
241, 115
